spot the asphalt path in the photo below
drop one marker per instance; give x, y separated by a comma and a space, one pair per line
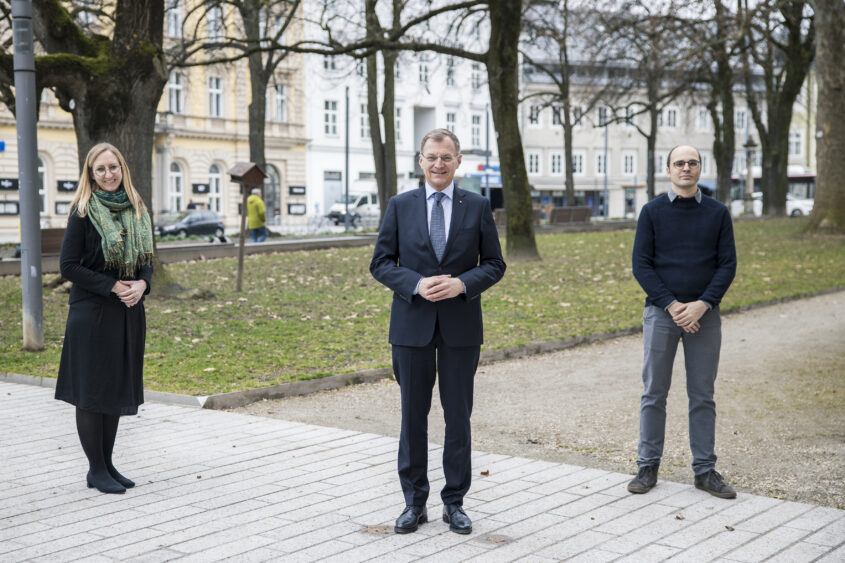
780, 399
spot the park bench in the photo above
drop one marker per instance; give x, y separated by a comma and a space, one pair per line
51, 240
562, 215
501, 218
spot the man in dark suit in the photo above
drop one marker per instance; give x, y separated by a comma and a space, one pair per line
438, 250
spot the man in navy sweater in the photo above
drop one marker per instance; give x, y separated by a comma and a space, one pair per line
685, 260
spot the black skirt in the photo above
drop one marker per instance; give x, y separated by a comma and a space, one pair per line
103, 356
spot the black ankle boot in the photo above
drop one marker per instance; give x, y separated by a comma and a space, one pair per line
110, 423
89, 426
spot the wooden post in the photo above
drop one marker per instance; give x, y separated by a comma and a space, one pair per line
246, 174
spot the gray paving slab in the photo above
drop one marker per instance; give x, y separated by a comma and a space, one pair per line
219, 486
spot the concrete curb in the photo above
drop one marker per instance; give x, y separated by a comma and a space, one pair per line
236, 399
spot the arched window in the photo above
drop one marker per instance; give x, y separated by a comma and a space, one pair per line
273, 195
42, 182
215, 183
176, 182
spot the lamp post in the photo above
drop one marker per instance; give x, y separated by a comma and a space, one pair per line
749, 147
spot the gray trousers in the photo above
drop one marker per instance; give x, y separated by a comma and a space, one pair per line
701, 358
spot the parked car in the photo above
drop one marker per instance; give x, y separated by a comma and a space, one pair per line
361, 206
795, 207
185, 223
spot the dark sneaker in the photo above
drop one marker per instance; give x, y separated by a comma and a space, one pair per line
645, 480
712, 483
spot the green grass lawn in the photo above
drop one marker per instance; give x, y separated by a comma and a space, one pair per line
310, 314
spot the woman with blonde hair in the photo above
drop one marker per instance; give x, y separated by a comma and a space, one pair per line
107, 253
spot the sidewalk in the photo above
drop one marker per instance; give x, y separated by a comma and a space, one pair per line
215, 485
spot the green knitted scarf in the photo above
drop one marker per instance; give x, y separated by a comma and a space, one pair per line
127, 240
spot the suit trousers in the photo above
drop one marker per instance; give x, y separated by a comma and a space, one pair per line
701, 359
415, 369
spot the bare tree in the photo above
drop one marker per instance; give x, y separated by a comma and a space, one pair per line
780, 37
829, 207
548, 35
501, 59
109, 77
648, 67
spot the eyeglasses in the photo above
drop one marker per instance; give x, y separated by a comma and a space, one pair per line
101, 170
444, 158
679, 164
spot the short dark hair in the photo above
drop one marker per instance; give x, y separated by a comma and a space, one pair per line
669, 156
438, 135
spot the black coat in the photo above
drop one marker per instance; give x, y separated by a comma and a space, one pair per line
103, 351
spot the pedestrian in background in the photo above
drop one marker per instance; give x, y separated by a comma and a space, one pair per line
107, 253
685, 259
256, 216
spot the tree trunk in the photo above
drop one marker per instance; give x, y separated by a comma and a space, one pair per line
567, 154
502, 73
375, 130
829, 207
721, 92
651, 141
258, 79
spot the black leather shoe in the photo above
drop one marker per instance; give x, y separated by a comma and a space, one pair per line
645, 480
712, 483
104, 483
410, 519
459, 522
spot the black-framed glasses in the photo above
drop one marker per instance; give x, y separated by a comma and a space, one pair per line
444, 158
679, 164
100, 171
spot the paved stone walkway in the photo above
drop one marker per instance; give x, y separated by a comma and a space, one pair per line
215, 485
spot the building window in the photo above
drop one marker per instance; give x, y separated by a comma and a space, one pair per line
329, 62
705, 170
215, 184
281, 103
174, 18
360, 68
578, 163
671, 117
703, 122
214, 23
215, 96
330, 117
365, 122
175, 93
397, 70
475, 76
577, 115
629, 117
41, 177
451, 118
601, 163
424, 73
740, 120
397, 125
629, 162
795, 143
176, 182
533, 162
602, 115
450, 71
556, 163
534, 115
557, 115
476, 130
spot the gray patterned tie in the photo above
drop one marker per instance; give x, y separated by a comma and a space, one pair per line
437, 230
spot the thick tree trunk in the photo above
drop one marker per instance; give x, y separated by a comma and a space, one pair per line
829, 207
258, 78
375, 132
502, 69
721, 93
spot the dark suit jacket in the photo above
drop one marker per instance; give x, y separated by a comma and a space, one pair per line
403, 254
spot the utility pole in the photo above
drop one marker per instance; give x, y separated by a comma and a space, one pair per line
25, 106
346, 221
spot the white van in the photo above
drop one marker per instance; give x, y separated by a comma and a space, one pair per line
363, 208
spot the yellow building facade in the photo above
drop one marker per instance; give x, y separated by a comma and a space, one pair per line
202, 131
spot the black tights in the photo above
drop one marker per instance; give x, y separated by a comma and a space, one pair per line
97, 433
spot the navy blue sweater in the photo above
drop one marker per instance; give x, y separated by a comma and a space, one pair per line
684, 250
